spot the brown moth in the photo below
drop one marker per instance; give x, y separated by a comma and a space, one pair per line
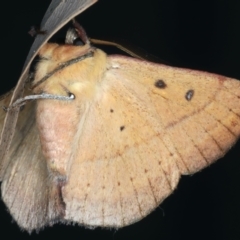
108, 136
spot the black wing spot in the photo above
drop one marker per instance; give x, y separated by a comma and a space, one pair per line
160, 84
111, 110
189, 95
122, 128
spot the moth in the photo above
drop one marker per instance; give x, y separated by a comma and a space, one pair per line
110, 136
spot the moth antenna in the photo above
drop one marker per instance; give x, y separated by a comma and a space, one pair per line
81, 32
114, 44
22, 101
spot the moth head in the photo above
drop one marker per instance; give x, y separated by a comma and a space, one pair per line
54, 57
59, 54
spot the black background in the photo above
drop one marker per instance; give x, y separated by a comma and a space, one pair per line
202, 35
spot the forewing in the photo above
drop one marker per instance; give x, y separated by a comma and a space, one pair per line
147, 125
199, 112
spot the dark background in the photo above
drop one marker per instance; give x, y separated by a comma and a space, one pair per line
202, 35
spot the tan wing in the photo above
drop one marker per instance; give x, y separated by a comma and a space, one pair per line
148, 124
27, 190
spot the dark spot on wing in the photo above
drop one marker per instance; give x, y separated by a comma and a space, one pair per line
189, 95
160, 84
111, 110
122, 128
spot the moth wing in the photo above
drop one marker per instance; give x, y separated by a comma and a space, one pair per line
27, 190
199, 112
147, 125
